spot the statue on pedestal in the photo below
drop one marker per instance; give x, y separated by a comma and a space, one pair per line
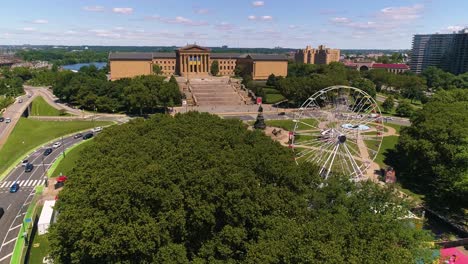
260, 122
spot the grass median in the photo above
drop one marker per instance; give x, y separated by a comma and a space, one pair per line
40, 107
30, 134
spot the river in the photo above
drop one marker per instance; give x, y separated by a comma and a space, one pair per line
76, 67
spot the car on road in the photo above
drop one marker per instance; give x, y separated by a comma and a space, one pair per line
57, 144
97, 129
2, 119
20, 101
29, 167
281, 113
24, 163
79, 135
47, 151
1, 212
88, 136
7, 120
29, 95
14, 188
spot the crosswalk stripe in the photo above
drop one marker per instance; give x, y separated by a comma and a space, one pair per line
33, 182
36, 182
29, 183
23, 183
4, 184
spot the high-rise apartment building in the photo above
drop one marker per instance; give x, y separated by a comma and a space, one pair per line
321, 55
446, 51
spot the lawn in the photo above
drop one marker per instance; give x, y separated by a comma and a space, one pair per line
395, 126
273, 98
66, 165
29, 134
40, 246
387, 143
39, 249
289, 124
41, 108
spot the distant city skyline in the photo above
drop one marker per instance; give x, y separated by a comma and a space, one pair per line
361, 24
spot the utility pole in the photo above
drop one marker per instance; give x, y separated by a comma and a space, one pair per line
63, 148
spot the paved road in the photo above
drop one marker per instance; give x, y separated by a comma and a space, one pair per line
16, 204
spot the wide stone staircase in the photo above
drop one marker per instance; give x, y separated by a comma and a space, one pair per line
215, 91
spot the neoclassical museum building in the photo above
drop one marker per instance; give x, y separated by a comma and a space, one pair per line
193, 61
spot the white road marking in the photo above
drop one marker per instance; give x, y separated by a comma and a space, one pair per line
24, 183
4, 184
14, 227
14, 239
7, 256
8, 207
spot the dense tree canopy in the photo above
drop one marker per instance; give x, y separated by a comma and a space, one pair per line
431, 156
439, 79
198, 189
63, 56
89, 89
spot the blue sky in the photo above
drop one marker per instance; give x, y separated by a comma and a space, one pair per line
243, 23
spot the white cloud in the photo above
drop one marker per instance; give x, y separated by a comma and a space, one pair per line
405, 13
292, 26
40, 21
224, 26
178, 20
339, 20
29, 29
258, 3
456, 28
122, 10
201, 11
70, 32
267, 18
252, 17
93, 8
104, 33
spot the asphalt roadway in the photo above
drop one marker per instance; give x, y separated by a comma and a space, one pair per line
16, 204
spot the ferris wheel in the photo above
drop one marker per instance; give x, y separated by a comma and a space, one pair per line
340, 129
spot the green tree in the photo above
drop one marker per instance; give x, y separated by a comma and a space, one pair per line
431, 155
404, 108
214, 69
388, 104
197, 188
366, 85
157, 69
271, 81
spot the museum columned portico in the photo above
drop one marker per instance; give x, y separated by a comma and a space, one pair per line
193, 61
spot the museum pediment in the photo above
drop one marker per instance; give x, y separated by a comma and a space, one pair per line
193, 48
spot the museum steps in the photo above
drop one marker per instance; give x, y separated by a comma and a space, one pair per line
216, 91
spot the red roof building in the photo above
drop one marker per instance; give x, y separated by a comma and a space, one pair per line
365, 66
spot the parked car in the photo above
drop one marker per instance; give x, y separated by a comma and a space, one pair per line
97, 129
20, 101
14, 188
29, 167
57, 144
47, 151
2, 119
29, 95
24, 163
62, 178
1, 212
7, 120
281, 113
79, 135
88, 136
